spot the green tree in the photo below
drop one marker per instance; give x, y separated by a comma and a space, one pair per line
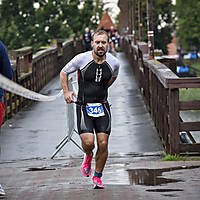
162, 18
188, 18
71, 14
22, 23
9, 28
49, 22
97, 13
162, 23
87, 12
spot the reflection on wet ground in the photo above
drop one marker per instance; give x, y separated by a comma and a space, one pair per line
153, 177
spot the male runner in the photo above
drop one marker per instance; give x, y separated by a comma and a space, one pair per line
97, 70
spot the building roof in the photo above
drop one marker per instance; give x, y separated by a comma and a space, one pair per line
106, 22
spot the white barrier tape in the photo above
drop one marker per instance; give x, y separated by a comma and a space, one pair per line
13, 87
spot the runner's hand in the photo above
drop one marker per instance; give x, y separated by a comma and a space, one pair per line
68, 96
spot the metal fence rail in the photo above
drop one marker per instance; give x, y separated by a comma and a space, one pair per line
71, 117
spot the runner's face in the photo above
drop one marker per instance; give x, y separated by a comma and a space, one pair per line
100, 45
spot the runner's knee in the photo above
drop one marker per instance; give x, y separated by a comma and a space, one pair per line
102, 145
89, 144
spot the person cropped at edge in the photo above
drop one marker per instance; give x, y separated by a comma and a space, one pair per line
112, 40
6, 70
97, 70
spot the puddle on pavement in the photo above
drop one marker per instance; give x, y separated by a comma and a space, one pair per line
153, 177
164, 190
32, 169
51, 167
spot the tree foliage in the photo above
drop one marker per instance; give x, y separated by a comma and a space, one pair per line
162, 18
37, 22
162, 23
188, 20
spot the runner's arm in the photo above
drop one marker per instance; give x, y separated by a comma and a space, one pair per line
67, 93
115, 74
111, 81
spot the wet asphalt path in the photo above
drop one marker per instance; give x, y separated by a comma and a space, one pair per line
35, 131
133, 169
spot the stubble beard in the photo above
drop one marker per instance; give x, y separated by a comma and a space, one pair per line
100, 55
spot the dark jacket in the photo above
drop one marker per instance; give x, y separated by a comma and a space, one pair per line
87, 38
5, 67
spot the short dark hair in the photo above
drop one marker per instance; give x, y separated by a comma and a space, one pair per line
100, 32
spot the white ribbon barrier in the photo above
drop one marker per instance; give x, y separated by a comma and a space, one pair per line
13, 87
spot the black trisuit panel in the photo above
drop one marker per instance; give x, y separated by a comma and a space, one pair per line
93, 79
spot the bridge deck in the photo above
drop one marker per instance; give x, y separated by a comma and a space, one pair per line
34, 133
36, 130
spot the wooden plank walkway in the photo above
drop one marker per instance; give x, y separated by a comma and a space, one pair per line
35, 131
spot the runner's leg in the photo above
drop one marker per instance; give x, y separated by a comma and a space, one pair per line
88, 146
102, 152
85, 128
87, 140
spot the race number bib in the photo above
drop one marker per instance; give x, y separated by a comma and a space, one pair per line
95, 109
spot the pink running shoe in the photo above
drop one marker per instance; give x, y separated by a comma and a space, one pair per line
86, 166
97, 183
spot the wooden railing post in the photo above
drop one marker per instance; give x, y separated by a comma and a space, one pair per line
28, 62
174, 138
150, 88
23, 59
59, 43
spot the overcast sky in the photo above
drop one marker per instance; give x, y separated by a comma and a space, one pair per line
112, 5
